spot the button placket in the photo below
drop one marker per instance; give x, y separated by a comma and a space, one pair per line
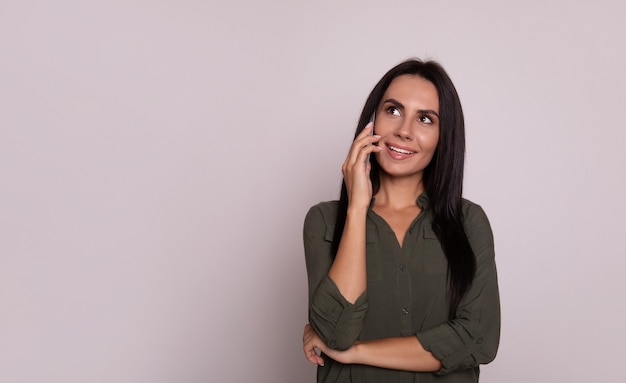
404, 287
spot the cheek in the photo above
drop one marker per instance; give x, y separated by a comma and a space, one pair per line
435, 141
430, 141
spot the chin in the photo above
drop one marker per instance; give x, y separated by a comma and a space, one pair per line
402, 173
402, 170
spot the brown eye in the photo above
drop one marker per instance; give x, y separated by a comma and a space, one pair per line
393, 111
425, 119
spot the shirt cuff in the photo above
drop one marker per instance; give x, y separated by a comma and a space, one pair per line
337, 321
452, 349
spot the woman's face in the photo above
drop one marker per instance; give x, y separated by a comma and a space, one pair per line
407, 119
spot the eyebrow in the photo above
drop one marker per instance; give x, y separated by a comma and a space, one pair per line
399, 105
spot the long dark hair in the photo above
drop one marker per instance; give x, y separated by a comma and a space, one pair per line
443, 177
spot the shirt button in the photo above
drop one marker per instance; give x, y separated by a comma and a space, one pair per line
479, 340
332, 343
402, 267
405, 311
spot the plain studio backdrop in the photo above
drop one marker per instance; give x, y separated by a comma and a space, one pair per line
157, 159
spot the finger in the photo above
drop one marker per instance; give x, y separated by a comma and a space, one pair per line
310, 353
309, 346
366, 130
319, 360
362, 148
315, 359
366, 150
363, 135
364, 139
311, 356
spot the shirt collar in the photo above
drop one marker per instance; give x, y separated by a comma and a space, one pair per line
422, 201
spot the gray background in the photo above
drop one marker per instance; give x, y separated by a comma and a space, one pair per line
157, 159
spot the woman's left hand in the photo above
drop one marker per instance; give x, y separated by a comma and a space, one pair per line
312, 342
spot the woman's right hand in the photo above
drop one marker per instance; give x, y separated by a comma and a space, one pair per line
356, 168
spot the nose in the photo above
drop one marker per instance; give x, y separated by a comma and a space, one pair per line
404, 130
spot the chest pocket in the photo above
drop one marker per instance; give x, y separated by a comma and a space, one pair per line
433, 258
372, 251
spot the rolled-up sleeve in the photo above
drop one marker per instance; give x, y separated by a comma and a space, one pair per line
472, 337
337, 321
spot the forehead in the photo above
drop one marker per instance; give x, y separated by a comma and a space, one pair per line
413, 91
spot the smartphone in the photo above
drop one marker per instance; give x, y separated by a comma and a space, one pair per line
372, 119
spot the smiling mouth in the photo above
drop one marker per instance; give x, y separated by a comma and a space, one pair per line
401, 151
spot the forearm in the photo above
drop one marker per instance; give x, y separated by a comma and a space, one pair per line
337, 320
348, 270
402, 353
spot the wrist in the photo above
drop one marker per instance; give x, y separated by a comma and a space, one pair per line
356, 353
356, 211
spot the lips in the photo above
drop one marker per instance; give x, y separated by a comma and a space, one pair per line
400, 150
399, 153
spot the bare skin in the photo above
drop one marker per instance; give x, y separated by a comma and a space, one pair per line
400, 210
348, 270
401, 353
407, 128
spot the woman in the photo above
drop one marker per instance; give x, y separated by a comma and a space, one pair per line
402, 277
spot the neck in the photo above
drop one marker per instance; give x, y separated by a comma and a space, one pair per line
399, 192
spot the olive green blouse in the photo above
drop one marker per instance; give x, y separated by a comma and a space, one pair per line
406, 296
